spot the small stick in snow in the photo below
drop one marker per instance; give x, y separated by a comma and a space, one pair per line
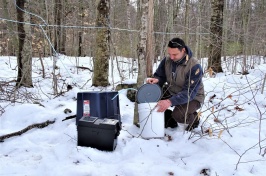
70, 117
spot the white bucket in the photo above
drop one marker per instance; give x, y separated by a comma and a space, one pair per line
151, 121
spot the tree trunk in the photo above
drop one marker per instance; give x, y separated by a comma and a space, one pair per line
216, 29
102, 54
150, 40
142, 50
198, 29
225, 28
62, 44
24, 57
130, 38
245, 42
187, 22
57, 21
47, 50
168, 28
81, 21
143, 10
170, 21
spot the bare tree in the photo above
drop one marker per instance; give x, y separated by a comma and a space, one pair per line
102, 54
142, 46
150, 40
80, 32
187, 21
244, 37
142, 75
64, 14
24, 57
216, 30
130, 35
57, 21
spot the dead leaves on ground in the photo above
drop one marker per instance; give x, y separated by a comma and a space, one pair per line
211, 98
238, 108
218, 104
168, 137
171, 173
217, 120
205, 172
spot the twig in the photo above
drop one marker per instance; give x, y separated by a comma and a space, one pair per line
85, 68
264, 152
241, 155
260, 122
129, 133
71, 137
263, 84
43, 70
183, 161
69, 117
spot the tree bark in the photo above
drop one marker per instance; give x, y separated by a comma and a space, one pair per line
150, 40
244, 39
216, 29
142, 50
170, 21
64, 13
58, 29
225, 28
24, 57
80, 32
142, 46
130, 37
198, 29
101, 59
187, 22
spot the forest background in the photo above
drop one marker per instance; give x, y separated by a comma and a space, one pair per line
138, 30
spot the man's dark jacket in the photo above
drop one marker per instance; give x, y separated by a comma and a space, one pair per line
184, 79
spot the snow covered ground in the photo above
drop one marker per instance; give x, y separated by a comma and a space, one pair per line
229, 141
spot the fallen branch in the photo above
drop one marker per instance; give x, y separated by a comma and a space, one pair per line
18, 133
85, 68
70, 117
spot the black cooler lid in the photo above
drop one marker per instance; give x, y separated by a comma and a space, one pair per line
94, 122
148, 93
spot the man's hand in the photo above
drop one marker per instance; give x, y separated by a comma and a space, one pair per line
152, 80
163, 105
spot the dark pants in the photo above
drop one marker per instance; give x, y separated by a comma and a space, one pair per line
186, 112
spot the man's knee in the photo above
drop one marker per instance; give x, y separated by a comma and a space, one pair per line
178, 116
181, 116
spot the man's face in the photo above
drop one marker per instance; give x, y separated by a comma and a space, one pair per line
175, 54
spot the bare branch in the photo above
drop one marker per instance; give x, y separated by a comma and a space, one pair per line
18, 133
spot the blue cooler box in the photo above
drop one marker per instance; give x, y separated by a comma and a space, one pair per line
98, 104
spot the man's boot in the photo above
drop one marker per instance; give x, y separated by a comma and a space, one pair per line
195, 124
168, 120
